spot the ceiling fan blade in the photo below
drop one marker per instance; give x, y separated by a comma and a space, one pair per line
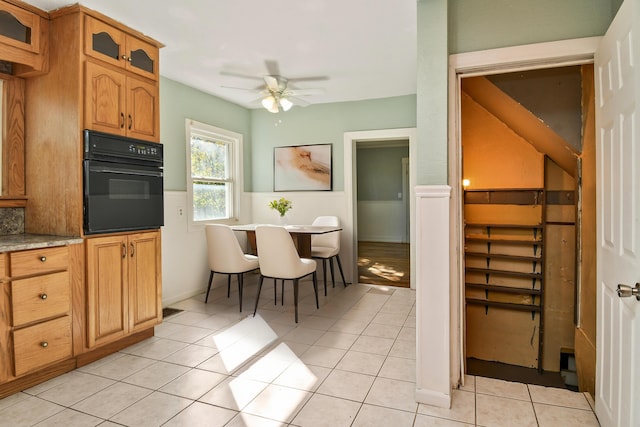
272, 67
309, 79
256, 90
244, 76
298, 101
272, 83
305, 92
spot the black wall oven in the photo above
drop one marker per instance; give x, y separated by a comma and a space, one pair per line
123, 184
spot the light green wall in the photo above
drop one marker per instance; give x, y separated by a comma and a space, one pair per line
319, 124
431, 150
179, 102
486, 24
379, 172
470, 25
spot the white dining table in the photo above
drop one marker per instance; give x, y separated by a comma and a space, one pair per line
301, 235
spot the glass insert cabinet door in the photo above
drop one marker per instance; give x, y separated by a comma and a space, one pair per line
118, 48
19, 28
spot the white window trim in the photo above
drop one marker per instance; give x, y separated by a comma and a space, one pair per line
236, 140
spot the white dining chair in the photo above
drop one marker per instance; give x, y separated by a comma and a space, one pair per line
327, 247
279, 260
226, 257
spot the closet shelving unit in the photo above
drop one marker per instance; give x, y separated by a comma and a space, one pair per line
512, 254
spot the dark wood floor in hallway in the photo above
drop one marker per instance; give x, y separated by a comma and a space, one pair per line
384, 264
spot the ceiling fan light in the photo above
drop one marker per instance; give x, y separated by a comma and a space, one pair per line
285, 104
269, 102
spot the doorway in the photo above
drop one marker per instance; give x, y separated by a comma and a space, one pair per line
526, 301
383, 212
382, 136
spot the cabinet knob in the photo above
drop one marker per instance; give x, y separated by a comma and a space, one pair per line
43, 258
126, 58
44, 344
43, 296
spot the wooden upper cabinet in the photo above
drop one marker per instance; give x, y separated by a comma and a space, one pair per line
143, 115
24, 38
104, 99
120, 104
109, 44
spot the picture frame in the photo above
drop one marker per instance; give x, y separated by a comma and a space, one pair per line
303, 168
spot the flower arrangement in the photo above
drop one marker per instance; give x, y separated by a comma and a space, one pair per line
282, 205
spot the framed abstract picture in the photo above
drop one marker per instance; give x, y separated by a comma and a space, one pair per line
303, 168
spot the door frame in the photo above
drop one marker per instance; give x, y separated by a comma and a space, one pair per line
495, 61
351, 193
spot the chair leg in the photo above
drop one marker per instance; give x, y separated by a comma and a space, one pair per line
324, 274
344, 282
295, 297
258, 296
240, 286
315, 288
333, 276
209, 287
275, 293
228, 285
282, 292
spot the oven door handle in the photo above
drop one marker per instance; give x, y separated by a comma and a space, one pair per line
123, 171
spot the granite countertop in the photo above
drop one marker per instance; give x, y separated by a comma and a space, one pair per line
19, 242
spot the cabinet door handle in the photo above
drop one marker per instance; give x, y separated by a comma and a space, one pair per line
121, 120
130, 121
124, 251
132, 250
43, 258
44, 344
43, 296
126, 58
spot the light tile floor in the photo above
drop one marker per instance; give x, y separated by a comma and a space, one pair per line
350, 363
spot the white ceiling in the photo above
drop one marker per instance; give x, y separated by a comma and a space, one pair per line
361, 49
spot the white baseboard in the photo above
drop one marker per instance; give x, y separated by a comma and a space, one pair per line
430, 397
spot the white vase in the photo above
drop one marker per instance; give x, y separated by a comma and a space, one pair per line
282, 219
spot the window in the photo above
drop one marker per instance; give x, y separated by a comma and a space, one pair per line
213, 172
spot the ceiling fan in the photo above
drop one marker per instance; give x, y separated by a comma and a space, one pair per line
276, 94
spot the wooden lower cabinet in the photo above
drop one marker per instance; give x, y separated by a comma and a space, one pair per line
123, 285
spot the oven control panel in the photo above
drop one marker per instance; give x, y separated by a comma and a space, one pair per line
143, 150
108, 147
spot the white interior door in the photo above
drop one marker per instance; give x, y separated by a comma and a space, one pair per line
618, 211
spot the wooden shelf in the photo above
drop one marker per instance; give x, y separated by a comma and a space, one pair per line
507, 305
519, 196
504, 256
504, 272
505, 241
514, 226
503, 289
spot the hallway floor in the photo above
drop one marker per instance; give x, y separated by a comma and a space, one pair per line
351, 363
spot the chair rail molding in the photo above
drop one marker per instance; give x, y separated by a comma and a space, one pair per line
433, 323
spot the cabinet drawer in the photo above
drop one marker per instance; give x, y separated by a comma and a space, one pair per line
38, 261
41, 344
40, 297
